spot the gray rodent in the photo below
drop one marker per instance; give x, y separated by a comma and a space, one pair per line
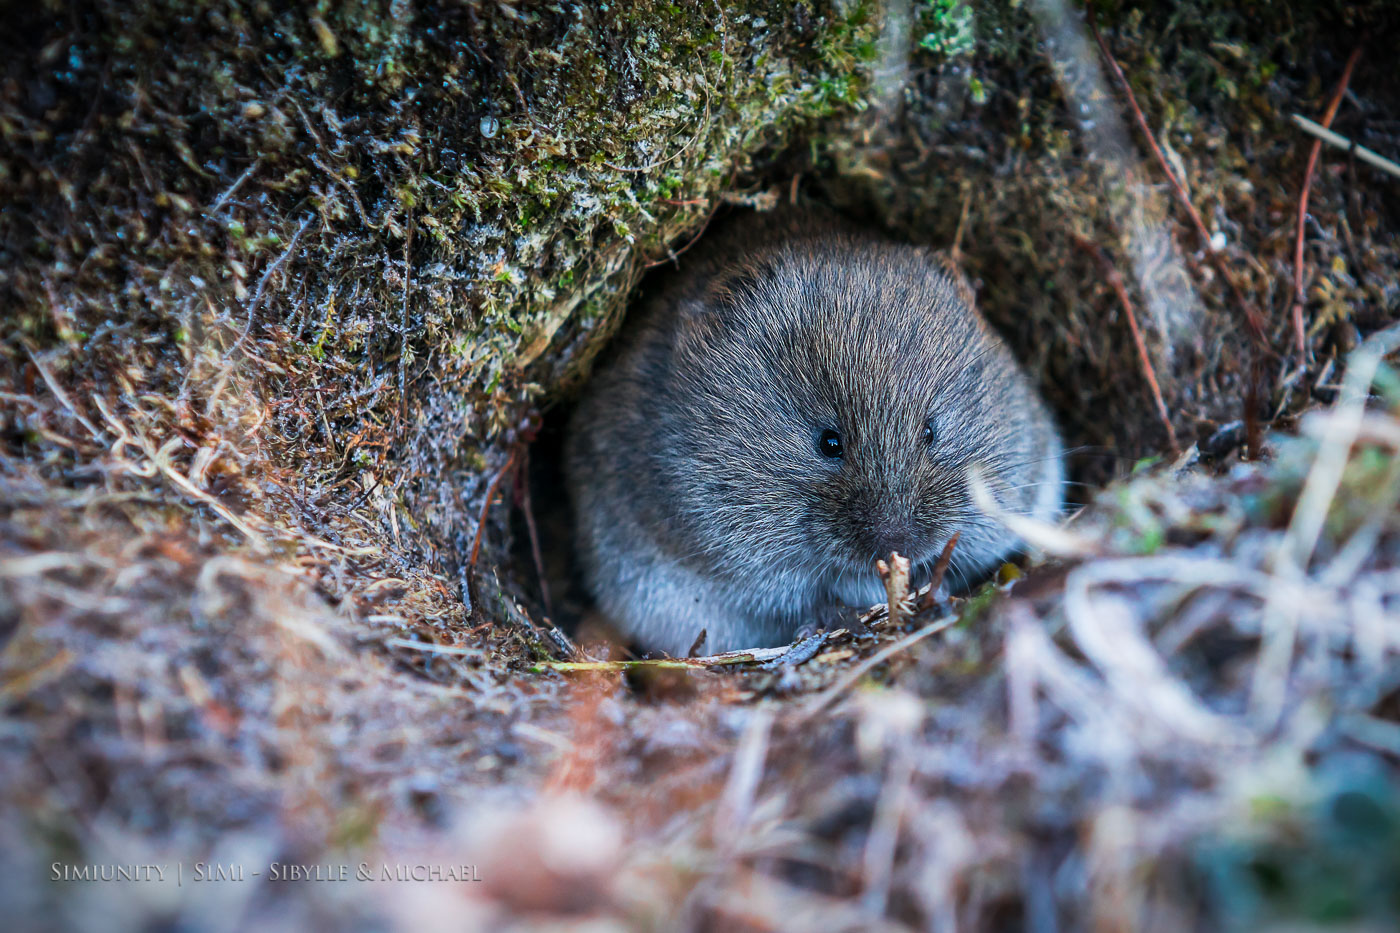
798, 401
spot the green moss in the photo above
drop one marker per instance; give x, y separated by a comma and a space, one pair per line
950, 27
978, 604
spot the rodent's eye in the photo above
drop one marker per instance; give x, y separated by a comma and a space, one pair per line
930, 432
829, 444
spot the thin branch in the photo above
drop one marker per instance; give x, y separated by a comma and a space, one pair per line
1115, 281
262, 285
237, 183
956, 251
158, 463
1252, 318
486, 506
1369, 156
403, 320
674, 255
62, 396
753, 656
736, 802
828, 696
1294, 554
431, 648
940, 570
1298, 297
523, 484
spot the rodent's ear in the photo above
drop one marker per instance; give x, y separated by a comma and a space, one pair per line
737, 285
949, 267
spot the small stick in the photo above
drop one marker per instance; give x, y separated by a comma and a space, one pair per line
159, 464
523, 484
1298, 297
1252, 319
1253, 429
1281, 615
735, 805
716, 660
826, 698
1116, 282
673, 255
895, 574
62, 396
432, 648
403, 320
486, 507
878, 862
237, 183
262, 286
1369, 156
956, 251
940, 570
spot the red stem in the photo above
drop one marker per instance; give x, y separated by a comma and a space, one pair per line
1299, 298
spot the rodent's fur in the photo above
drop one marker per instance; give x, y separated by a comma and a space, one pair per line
700, 497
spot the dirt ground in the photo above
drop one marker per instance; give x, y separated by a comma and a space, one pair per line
289, 292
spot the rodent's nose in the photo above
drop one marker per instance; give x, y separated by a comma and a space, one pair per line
892, 535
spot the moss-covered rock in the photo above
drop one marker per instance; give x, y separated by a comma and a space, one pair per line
411, 211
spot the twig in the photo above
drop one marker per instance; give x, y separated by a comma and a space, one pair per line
1305, 529
262, 285
157, 463
431, 648
1313, 156
752, 656
1115, 281
33, 676
895, 575
523, 484
673, 255
736, 802
62, 396
828, 696
1107, 632
486, 506
878, 862
34, 564
517, 462
237, 183
1370, 156
1253, 430
940, 570
1053, 539
349, 188
1252, 318
403, 319
956, 251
